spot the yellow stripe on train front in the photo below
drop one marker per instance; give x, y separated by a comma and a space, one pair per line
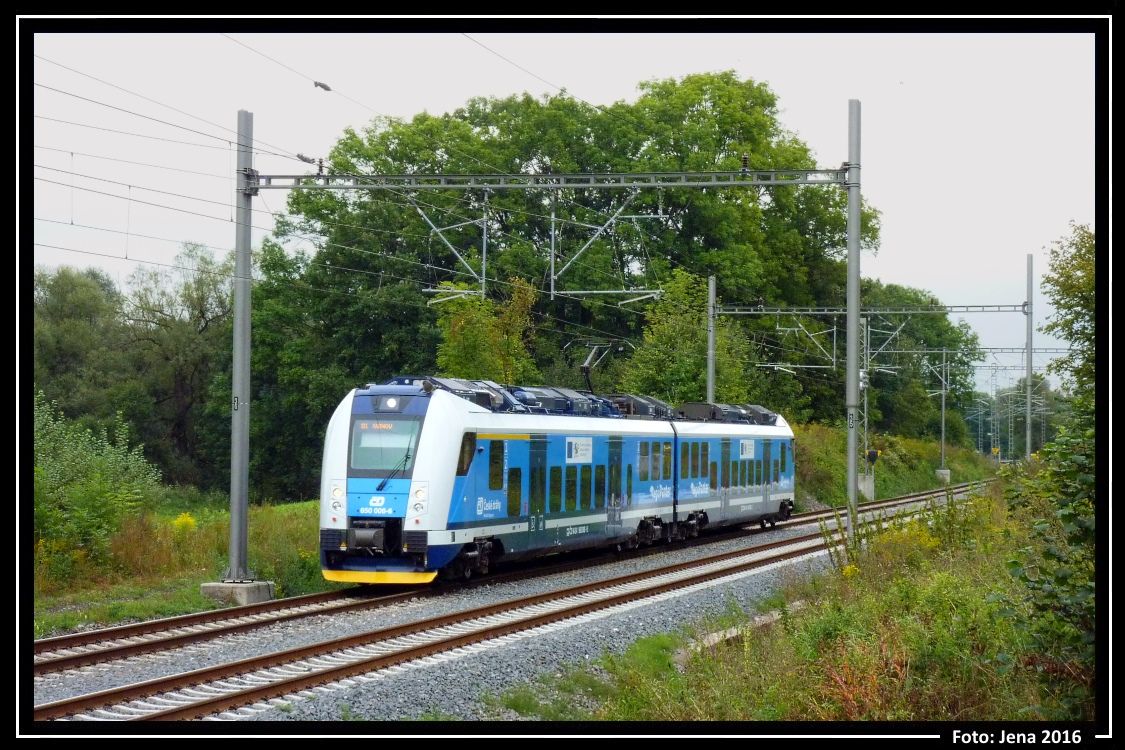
502, 436
379, 576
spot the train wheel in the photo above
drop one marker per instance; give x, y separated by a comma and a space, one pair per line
762, 521
773, 521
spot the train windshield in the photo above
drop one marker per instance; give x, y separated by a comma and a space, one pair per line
380, 444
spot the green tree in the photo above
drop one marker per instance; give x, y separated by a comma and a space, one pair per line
1069, 284
1059, 495
483, 340
177, 323
783, 245
80, 357
671, 362
897, 399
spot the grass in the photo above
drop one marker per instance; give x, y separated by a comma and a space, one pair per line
906, 465
572, 694
123, 602
923, 624
158, 561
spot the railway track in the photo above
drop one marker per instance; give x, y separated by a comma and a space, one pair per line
111, 644
214, 690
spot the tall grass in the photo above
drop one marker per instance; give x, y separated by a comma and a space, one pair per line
924, 623
920, 623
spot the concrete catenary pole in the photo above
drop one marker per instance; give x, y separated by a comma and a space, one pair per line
240, 389
1029, 327
710, 339
852, 396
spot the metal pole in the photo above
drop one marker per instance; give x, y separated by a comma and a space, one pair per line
980, 422
553, 195
1043, 428
1011, 412
944, 385
866, 368
1029, 326
240, 386
484, 245
853, 309
710, 339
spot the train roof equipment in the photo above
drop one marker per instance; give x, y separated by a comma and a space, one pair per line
541, 399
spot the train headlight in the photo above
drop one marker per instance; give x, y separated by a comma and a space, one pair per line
337, 492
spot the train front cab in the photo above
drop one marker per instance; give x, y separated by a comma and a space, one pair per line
370, 454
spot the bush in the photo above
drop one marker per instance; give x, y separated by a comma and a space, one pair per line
1055, 498
86, 483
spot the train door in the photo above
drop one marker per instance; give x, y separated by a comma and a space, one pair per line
767, 473
537, 492
615, 499
725, 479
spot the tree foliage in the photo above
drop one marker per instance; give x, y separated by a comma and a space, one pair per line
85, 482
352, 310
79, 343
1069, 284
483, 340
671, 362
176, 323
1059, 495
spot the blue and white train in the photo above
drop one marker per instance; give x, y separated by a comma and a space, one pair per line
423, 476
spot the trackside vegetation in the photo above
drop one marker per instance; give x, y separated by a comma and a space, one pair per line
925, 623
112, 543
903, 465
982, 610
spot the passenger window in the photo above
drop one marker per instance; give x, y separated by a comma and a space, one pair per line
496, 465
742, 473
685, 459
703, 459
714, 476
654, 474
615, 481
586, 487
629, 483
515, 493
694, 460
556, 489
599, 486
667, 460
571, 487
643, 462
468, 448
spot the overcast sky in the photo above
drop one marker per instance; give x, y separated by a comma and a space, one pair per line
958, 132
